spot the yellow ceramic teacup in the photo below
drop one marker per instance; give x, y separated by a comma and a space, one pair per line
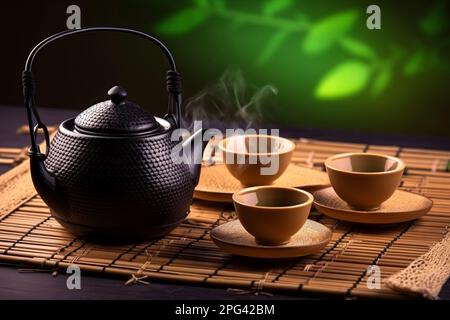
364, 180
272, 214
256, 159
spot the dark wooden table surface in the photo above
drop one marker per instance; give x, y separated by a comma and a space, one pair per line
15, 284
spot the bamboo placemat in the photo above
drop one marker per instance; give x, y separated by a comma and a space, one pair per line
12, 156
28, 234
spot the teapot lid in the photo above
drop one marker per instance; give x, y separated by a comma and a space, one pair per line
116, 116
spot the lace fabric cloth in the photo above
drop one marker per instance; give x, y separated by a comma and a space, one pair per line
426, 275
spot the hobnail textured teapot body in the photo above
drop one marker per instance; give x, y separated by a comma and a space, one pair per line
121, 187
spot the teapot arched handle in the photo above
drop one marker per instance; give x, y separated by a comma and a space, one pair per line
173, 84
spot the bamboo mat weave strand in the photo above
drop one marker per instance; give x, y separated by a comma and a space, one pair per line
28, 234
12, 156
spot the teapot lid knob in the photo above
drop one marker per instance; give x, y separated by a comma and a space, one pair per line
117, 94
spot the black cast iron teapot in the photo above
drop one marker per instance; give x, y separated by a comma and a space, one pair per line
110, 171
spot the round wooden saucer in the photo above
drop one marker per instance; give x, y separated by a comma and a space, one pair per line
218, 185
402, 206
233, 238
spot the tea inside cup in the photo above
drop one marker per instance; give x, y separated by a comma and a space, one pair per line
364, 180
272, 214
365, 163
256, 159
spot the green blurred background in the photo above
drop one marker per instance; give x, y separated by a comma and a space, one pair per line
328, 69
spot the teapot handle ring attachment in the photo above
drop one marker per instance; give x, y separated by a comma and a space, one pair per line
44, 128
173, 83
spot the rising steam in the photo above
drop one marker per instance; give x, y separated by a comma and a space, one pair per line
229, 103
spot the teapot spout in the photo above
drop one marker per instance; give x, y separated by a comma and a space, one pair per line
193, 147
46, 185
